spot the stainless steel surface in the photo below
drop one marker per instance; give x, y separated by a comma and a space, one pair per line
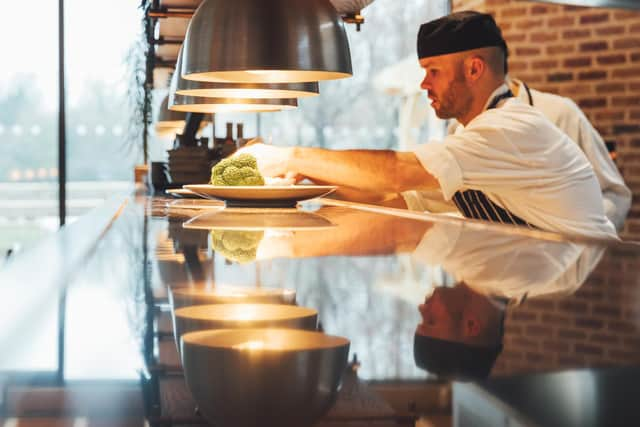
245, 388
254, 41
623, 4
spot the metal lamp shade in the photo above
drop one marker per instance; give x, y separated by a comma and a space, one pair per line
169, 118
198, 104
182, 86
257, 41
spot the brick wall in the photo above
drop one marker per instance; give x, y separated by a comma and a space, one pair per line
598, 326
591, 55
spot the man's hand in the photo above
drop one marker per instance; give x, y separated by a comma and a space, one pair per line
272, 161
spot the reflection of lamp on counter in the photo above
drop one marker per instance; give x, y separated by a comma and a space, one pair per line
186, 297
264, 377
234, 316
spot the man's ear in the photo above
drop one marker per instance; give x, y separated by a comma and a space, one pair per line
472, 326
474, 68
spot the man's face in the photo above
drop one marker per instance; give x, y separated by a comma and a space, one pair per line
442, 314
446, 85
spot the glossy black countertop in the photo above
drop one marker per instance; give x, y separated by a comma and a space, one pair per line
90, 306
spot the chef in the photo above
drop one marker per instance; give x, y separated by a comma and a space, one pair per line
508, 163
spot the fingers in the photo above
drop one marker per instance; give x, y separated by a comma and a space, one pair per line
256, 140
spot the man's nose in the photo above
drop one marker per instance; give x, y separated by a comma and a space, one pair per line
426, 84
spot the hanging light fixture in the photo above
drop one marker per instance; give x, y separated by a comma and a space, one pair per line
169, 121
221, 104
258, 41
198, 104
241, 90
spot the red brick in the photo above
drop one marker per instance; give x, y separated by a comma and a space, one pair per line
522, 342
576, 34
513, 11
560, 77
527, 51
635, 28
538, 9
558, 346
586, 349
515, 38
534, 357
571, 334
543, 37
609, 116
570, 306
571, 360
556, 319
544, 64
540, 303
627, 43
578, 89
604, 338
528, 24
618, 58
539, 331
594, 18
607, 310
518, 66
623, 355
574, 8
609, 31
624, 101
626, 72
621, 326
594, 46
523, 315
531, 78
561, 21
623, 15
560, 49
592, 75
634, 86
583, 61
589, 323
611, 87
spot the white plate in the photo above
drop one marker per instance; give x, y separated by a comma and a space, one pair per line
261, 196
182, 193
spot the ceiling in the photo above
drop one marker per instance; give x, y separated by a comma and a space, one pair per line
170, 30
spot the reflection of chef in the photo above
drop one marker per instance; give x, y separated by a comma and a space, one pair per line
462, 327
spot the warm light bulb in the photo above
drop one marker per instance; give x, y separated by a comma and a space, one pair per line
250, 345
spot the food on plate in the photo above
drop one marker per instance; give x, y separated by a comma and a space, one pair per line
236, 245
237, 170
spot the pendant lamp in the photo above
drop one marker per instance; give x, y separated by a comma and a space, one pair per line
241, 90
266, 41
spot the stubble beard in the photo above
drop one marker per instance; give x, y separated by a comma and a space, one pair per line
456, 100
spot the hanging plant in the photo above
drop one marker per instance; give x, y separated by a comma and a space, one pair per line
139, 62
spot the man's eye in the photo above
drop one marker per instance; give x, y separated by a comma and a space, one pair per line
433, 72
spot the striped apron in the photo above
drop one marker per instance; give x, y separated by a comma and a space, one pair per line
475, 204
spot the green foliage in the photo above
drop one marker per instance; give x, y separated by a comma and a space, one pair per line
237, 170
236, 245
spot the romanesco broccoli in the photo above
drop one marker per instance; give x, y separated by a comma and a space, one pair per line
237, 170
236, 245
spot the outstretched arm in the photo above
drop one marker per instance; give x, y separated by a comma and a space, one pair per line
380, 171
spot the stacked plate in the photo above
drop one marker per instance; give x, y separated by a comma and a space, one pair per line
189, 165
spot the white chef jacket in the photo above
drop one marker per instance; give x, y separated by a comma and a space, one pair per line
566, 115
524, 164
505, 265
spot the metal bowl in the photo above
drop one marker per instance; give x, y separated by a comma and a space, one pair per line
242, 316
264, 377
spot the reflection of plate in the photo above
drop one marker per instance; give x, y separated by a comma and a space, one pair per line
258, 219
183, 193
196, 204
262, 196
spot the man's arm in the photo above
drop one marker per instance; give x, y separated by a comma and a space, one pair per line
378, 171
